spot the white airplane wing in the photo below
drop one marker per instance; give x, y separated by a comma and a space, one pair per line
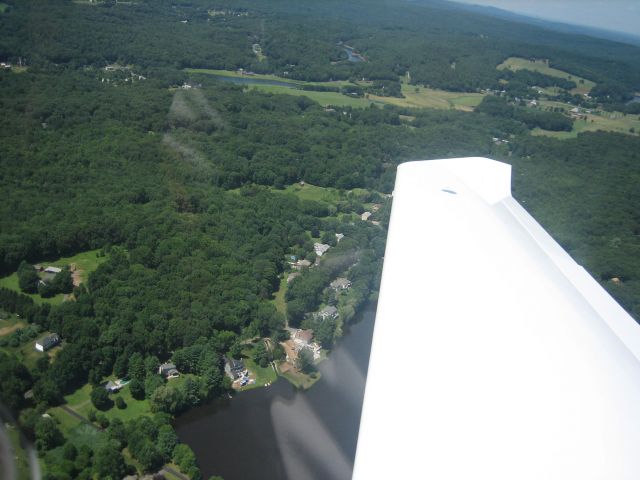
495, 356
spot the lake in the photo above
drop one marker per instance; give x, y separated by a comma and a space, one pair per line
279, 432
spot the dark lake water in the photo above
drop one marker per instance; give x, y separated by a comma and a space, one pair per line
281, 433
248, 80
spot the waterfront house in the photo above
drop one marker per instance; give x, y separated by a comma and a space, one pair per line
301, 338
47, 342
328, 312
233, 368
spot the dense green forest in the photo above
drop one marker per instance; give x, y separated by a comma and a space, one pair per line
181, 183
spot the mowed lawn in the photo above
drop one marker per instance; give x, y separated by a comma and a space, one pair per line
262, 375
80, 402
27, 353
85, 263
516, 63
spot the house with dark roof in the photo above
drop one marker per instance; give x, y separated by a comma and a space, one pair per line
233, 368
328, 312
47, 342
168, 370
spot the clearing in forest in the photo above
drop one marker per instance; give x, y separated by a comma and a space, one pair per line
542, 66
422, 97
82, 264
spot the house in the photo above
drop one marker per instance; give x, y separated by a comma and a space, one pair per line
113, 387
168, 370
315, 349
365, 216
339, 236
233, 368
340, 284
301, 338
300, 264
328, 312
320, 248
54, 270
45, 343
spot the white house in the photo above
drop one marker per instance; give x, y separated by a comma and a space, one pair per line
47, 342
320, 248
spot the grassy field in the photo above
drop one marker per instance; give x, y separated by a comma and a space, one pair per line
85, 263
422, 97
607, 121
323, 98
262, 375
80, 402
27, 353
301, 380
311, 192
9, 323
278, 298
515, 64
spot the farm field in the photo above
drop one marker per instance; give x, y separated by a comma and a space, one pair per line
516, 63
422, 97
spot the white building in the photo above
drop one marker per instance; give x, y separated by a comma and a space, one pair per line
320, 248
526, 368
